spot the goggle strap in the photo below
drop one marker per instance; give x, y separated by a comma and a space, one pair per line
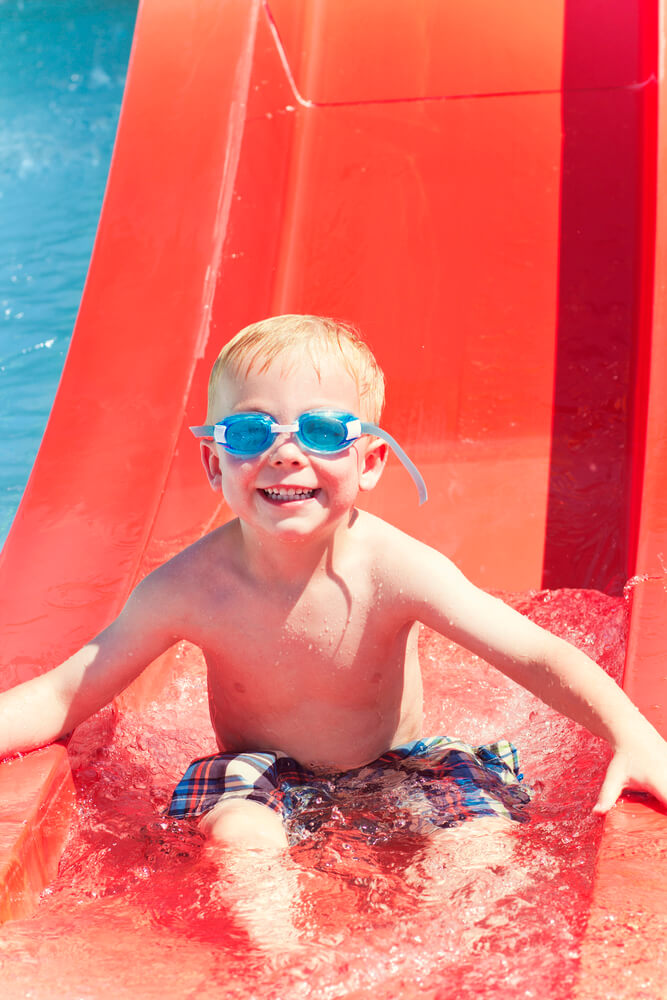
368, 428
205, 431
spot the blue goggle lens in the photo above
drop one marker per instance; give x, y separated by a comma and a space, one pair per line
247, 433
322, 432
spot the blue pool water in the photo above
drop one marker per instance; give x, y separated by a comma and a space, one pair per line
62, 74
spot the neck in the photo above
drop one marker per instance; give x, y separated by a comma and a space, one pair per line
291, 563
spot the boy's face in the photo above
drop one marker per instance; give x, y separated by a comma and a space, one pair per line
258, 488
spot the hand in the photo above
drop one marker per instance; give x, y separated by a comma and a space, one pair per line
640, 766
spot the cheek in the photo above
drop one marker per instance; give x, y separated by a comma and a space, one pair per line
237, 476
342, 476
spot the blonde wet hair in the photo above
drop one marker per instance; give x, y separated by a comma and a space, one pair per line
257, 346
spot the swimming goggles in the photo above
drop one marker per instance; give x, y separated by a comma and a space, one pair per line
323, 432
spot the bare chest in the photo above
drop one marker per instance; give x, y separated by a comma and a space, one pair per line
328, 645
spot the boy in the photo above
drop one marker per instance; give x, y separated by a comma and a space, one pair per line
307, 612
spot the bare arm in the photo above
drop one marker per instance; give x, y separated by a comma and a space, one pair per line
551, 668
42, 709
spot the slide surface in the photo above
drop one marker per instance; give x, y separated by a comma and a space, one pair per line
479, 194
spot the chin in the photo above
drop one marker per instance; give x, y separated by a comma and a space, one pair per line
300, 530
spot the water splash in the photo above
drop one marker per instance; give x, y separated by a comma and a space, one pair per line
370, 907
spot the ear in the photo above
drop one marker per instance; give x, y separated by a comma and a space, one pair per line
211, 463
373, 462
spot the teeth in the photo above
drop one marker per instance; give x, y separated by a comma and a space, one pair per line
290, 492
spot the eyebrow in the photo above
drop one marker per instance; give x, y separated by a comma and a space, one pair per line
249, 408
320, 405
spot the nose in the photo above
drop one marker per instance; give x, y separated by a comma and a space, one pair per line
286, 451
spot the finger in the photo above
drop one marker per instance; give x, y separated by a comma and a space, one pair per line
658, 789
612, 786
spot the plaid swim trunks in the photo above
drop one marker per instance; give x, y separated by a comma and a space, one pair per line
444, 780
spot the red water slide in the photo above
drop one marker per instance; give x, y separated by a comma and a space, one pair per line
479, 187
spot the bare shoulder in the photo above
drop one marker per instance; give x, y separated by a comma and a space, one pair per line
396, 552
428, 587
177, 588
419, 583
215, 548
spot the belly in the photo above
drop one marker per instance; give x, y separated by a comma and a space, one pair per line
319, 736
328, 712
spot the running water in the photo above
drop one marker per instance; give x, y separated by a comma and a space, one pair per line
141, 911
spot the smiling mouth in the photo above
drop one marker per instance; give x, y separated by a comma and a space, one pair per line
288, 494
